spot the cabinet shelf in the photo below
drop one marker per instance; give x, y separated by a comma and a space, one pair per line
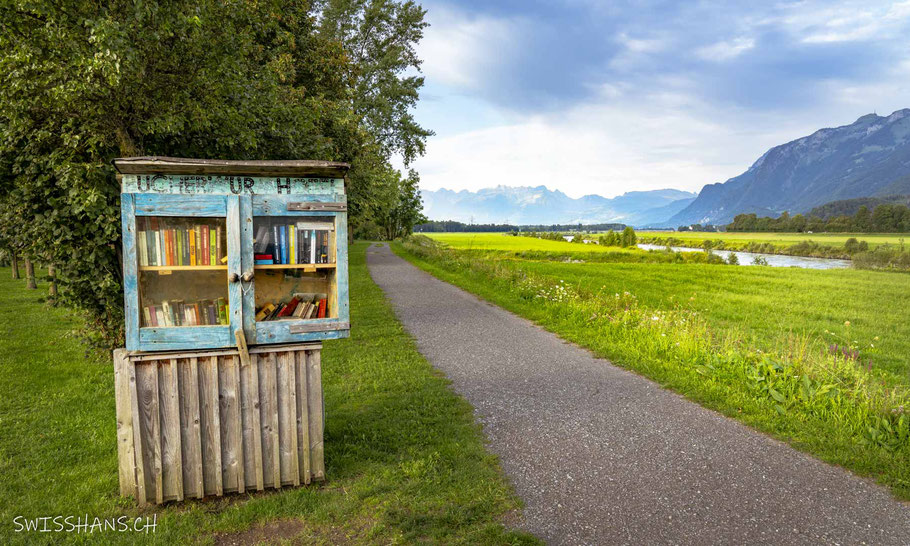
311, 267
183, 268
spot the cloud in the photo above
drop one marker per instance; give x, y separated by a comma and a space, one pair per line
592, 97
724, 51
462, 51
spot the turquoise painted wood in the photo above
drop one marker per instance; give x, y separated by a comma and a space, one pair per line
195, 184
341, 266
197, 206
234, 262
277, 205
185, 338
246, 264
130, 272
278, 331
238, 200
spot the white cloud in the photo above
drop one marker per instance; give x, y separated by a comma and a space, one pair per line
601, 148
724, 51
460, 50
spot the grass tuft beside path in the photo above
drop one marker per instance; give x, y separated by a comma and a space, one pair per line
405, 459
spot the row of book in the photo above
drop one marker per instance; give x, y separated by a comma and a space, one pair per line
179, 313
158, 245
298, 243
301, 307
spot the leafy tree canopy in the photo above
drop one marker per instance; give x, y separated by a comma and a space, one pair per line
84, 82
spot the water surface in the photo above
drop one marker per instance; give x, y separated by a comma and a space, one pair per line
774, 260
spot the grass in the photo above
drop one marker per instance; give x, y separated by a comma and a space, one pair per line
502, 241
405, 458
782, 239
752, 343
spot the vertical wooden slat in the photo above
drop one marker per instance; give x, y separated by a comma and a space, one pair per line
272, 365
138, 447
303, 419
268, 410
341, 266
150, 426
171, 452
252, 426
125, 440
291, 363
231, 434
190, 429
314, 385
211, 426
286, 428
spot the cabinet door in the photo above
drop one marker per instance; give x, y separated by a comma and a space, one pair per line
298, 266
181, 265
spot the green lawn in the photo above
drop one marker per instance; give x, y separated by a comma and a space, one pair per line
783, 239
751, 342
405, 459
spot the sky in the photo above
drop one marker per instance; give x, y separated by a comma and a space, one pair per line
604, 97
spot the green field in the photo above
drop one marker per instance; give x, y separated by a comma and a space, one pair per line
782, 239
502, 241
752, 342
405, 460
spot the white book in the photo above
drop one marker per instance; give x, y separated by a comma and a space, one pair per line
142, 249
159, 314
160, 246
147, 315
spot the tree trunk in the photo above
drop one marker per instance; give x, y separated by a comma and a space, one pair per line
30, 275
52, 274
14, 261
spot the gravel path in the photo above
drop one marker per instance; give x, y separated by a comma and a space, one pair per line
603, 456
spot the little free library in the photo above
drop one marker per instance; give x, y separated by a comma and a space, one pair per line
234, 272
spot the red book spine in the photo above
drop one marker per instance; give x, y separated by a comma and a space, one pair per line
321, 313
289, 308
169, 241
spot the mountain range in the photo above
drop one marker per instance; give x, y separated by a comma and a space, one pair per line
525, 205
869, 158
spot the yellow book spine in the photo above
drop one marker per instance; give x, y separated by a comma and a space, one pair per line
193, 247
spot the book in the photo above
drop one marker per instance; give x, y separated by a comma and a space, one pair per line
147, 316
159, 317
292, 245
213, 247
204, 232
142, 249
264, 312
276, 244
192, 237
222, 311
321, 313
198, 230
178, 251
264, 262
261, 242
312, 259
219, 252
283, 234
289, 308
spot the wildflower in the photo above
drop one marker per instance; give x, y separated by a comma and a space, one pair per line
847, 323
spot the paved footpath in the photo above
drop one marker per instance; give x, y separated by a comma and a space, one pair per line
603, 456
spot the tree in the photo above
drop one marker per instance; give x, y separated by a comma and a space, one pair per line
82, 83
628, 237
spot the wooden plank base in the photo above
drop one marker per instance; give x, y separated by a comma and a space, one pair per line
197, 424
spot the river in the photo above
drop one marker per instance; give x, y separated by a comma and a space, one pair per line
774, 260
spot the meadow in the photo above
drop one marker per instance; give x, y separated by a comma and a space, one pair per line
815, 358
405, 459
779, 239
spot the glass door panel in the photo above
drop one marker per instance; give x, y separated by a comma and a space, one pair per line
182, 271
295, 264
